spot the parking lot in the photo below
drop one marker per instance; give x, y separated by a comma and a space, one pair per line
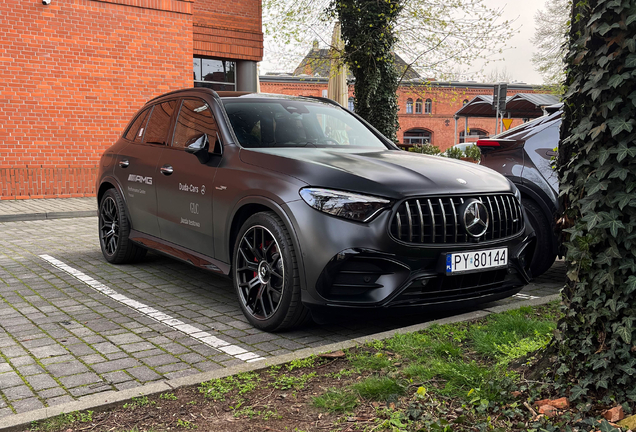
72, 324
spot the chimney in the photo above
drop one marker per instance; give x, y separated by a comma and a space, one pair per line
315, 47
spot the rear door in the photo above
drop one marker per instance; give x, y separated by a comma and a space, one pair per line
137, 162
184, 184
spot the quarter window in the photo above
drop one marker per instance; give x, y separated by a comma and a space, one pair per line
159, 123
194, 119
137, 128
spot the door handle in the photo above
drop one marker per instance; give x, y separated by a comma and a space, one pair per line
124, 163
166, 170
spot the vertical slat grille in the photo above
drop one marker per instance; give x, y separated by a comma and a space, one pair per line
439, 220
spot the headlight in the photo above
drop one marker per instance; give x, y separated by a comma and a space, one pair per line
515, 190
361, 208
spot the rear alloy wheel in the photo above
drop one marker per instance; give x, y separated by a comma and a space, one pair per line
544, 254
114, 229
266, 274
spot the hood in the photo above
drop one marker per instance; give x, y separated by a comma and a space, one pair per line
388, 173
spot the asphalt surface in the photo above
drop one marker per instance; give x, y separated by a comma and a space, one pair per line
73, 325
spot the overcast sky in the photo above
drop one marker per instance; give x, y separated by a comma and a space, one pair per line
517, 58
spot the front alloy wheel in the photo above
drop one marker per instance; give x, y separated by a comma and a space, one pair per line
266, 275
260, 273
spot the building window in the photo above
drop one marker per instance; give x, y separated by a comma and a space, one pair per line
473, 135
418, 106
428, 106
350, 104
417, 136
215, 74
409, 106
325, 93
465, 102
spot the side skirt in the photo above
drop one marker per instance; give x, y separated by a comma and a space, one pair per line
180, 253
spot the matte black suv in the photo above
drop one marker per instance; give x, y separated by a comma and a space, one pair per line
524, 155
306, 207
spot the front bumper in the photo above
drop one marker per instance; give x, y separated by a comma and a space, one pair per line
356, 265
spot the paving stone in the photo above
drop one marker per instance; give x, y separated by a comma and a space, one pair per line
143, 374
159, 360
67, 368
80, 349
5, 367
48, 351
127, 385
105, 348
83, 391
114, 365
17, 393
25, 405
10, 379
52, 392
138, 346
92, 359
80, 380
116, 377
22, 361
41, 382
5, 412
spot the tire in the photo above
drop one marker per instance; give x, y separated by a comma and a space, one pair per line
265, 273
114, 229
544, 254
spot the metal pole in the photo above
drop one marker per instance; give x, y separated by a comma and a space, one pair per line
466, 131
455, 138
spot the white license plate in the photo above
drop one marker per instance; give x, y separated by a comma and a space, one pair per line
476, 260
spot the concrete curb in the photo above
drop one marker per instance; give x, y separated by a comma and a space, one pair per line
110, 398
47, 215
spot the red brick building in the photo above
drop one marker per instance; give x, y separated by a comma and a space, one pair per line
73, 72
427, 109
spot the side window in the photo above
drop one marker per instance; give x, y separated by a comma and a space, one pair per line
159, 123
137, 128
194, 119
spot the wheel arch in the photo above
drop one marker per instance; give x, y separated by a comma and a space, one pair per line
112, 183
250, 206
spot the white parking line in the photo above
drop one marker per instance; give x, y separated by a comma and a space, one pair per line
190, 330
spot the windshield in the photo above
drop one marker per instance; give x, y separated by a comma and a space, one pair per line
293, 123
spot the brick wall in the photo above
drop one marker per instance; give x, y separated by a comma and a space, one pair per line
441, 123
71, 75
228, 29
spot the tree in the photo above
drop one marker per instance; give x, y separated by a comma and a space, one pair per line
550, 38
432, 36
597, 173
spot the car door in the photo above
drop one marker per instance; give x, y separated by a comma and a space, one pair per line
137, 163
184, 181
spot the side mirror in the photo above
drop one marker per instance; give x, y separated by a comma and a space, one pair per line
199, 146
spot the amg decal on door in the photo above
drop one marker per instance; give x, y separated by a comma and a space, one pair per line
140, 179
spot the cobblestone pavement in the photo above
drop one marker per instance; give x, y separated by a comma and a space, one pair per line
72, 325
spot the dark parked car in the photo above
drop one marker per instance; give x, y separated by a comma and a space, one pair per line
307, 207
524, 155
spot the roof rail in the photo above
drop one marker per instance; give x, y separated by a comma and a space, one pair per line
183, 91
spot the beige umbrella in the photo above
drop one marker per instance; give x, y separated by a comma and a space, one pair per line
337, 88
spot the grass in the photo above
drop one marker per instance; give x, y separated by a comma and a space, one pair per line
378, 388
62, 421
336, 401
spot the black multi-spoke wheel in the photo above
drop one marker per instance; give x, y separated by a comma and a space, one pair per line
266, 274
114, 230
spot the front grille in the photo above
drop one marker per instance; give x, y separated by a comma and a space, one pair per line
438, 220
442, 289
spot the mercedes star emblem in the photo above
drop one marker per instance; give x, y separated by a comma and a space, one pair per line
476, 218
